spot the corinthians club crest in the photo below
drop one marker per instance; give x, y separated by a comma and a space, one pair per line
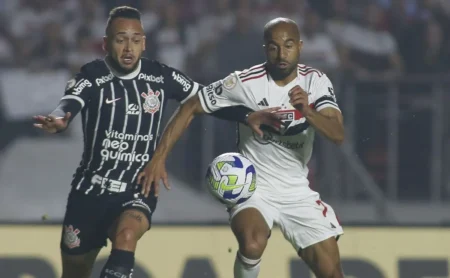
71, 238
151, 103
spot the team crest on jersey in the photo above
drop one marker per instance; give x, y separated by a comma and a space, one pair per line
151, 104
71, 238
230, 82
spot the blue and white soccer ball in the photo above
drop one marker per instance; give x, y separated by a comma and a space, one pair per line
231, 178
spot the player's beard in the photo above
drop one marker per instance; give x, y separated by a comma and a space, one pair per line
118, 68
279, 74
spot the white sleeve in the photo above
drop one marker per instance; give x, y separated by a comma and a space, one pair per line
223, 93
323, 94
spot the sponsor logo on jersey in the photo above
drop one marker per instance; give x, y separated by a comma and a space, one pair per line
133, 109
182, 80
109, 184
283, 141
70, 238
104, 79
151, 78
117, 145
151, 104
211, 93
80, 86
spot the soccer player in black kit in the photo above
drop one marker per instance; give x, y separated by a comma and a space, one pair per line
121, 100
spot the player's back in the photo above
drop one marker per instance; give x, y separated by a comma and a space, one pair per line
121, 118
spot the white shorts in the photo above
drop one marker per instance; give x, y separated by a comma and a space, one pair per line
303, 222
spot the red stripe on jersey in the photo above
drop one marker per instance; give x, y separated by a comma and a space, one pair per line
305, 70
251, 70
253, 77
305, 73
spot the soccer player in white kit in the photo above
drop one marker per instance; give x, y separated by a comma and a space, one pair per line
304, 100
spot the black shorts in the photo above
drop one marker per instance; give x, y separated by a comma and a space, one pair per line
88, 218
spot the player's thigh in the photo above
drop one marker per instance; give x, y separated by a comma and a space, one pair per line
78, 266
308, 221
131, 216
84, 229
251, 223
323, 258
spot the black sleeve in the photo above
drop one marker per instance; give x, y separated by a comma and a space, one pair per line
77, 93
232, 113
180, 87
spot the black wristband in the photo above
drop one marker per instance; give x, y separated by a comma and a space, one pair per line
233, 113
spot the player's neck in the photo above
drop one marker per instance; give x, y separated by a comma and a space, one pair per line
283, 82
119, 72
114, 65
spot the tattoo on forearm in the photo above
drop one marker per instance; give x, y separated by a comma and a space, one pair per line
136, 216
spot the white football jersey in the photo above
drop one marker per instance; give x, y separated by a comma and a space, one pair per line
281, 157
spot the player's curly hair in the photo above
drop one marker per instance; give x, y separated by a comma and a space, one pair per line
122, 12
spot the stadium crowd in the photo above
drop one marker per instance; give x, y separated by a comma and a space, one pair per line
203, 37
360, 39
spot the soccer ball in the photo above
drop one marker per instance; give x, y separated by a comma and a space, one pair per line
231, 178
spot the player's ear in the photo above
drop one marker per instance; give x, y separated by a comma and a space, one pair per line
144, 39
300, 45
105, 44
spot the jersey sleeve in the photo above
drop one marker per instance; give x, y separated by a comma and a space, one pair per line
179, 85
323, 94
78, 91
223, 93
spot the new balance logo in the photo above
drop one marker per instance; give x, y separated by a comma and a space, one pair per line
133, 109
263, 102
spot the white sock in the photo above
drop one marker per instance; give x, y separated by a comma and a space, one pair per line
246, 268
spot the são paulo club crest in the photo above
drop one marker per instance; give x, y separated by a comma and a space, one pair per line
71, 238
151, 103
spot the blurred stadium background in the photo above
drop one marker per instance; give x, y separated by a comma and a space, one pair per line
389, 61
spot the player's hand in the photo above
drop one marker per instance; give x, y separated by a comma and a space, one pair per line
151, 176
264, 117
299, 99
51, 123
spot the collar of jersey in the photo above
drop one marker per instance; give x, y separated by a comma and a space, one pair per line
130, 75
287, 85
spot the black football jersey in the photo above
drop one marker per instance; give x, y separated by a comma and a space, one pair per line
121, 119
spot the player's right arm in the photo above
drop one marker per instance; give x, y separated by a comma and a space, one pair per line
211, 98
76, 96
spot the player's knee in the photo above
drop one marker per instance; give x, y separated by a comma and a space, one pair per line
125, 236
252, 247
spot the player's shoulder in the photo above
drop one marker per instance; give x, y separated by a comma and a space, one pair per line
94, 69
309, 72
151, 65
252, 74
155, 66
312, 77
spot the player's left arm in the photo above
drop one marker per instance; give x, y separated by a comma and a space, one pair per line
182, 88
325, 115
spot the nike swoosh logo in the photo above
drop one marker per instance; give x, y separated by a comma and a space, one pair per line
112, 100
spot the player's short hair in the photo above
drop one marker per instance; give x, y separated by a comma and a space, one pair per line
122, 12
274, 22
